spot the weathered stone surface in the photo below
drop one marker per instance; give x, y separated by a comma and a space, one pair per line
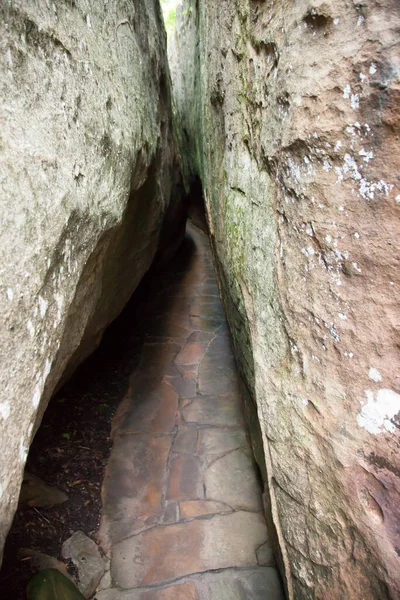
133, 483
151, 407
171, 512
164, 553
35, 492
232, 479
105, 581
219, 411
184, 386
157, 525
191, 354
186, 441
214, 441
265, 555
198, 508
217, 371
85, 554
183, 591
88, 167
185, 479
238, 584
292, 122
256, 584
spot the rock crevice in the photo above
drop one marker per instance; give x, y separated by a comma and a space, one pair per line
291, 124
91, 189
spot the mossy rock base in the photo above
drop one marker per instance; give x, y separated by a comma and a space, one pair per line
50, 584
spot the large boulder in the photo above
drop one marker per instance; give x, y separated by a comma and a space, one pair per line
291, 116
90, 191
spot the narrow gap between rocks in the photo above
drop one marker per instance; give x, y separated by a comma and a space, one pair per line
70, 450
161, 394
143, 382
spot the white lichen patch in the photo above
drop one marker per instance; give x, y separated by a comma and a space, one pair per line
367, 156
42, 306
338, 145
377, 415
36, 395
47, 369
23, 451
30, 328
374, 374
5, 410
355, 101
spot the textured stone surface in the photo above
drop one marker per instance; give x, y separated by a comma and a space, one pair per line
231, 584
292, 122
184, 591
181, 502
214, 441
165, 553
260, 584
35, 492
133, 483
214, 411
88, 167
185, 481
152, 407
198, 508
85, 554
232, 479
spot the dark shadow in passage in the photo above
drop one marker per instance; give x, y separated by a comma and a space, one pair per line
196, 208
72, 445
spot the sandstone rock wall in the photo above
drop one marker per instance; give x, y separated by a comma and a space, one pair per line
296, 108
90, 190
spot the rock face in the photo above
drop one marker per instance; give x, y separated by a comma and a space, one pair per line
290, 113
90, 192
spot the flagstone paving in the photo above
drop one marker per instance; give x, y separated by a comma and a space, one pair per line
182, 511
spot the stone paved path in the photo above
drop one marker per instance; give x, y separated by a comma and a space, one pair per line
182, 502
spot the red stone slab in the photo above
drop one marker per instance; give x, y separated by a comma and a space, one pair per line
157, 358
162, 554
191, 354
152, 408
221, 411
184, 386
185, 479
186, 441
186, 591
133, 484
197, 508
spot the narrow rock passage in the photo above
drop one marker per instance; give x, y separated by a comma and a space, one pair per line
182, 508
